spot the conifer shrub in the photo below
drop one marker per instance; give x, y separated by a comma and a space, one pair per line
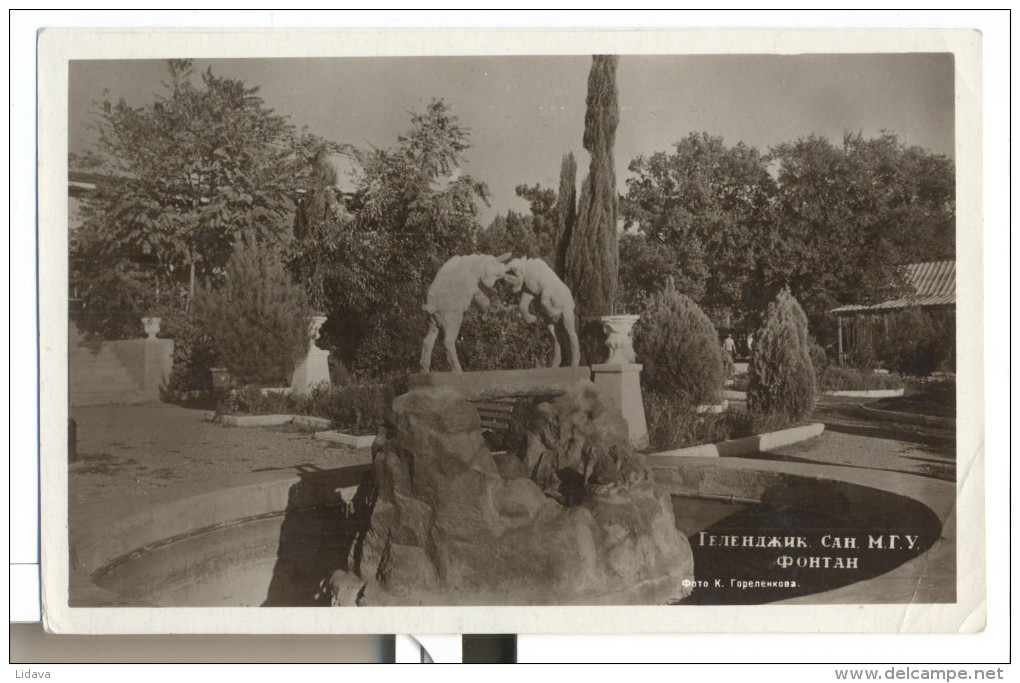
781, 376
257, 317
679, 348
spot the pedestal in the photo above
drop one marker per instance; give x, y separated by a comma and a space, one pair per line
622, 382
313, 369
159, 362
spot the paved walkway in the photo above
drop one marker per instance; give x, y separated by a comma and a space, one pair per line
875, 443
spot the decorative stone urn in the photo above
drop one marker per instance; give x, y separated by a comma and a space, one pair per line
315, 326
151, 326
618, 338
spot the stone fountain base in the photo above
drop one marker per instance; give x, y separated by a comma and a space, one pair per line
454, 524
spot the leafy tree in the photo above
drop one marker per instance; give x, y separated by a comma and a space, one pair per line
647, 265
258, 317
515, 233
183, 177
833, 224
544, 219
541, 200
369, 271
709, 207
524, 235
850, 215
592, 256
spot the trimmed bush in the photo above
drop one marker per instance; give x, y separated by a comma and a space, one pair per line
781, 375
112, 304
679, 348
835, 378
353, 408
249, 400
258, 318
194, 352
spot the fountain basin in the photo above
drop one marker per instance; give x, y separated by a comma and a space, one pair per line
840, 521
271, 541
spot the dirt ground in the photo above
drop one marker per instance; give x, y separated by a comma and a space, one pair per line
127, 454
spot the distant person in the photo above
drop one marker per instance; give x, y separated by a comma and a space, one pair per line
729, 353
750, 344
730, 346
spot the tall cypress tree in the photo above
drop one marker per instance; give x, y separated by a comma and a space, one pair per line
313, 208
592, 256
566, 210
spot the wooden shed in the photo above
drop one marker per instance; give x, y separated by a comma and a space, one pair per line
932, 289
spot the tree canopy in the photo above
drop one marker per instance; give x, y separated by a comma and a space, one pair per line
831, 222
532, 235
848, 215
184, 176
704, 208
413, 208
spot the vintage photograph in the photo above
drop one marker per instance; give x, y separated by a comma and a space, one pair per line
604, 329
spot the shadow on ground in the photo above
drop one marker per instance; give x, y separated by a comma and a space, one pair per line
327, 515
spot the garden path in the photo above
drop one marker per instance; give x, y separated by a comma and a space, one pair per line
876, 443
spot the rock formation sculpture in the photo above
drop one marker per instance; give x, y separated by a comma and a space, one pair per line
456, 286
554, 303
453, 524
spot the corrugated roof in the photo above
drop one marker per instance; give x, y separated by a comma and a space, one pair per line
934, 284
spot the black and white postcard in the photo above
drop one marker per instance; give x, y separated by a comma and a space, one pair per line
499, 331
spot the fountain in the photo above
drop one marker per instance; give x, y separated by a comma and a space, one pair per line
574, 516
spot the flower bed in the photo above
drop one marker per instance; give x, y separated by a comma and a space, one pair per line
356, 409
673, 424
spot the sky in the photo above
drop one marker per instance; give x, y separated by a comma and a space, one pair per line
526, 112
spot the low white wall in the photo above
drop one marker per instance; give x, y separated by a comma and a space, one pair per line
126, 371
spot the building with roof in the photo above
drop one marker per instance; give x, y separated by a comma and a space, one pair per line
931, 288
